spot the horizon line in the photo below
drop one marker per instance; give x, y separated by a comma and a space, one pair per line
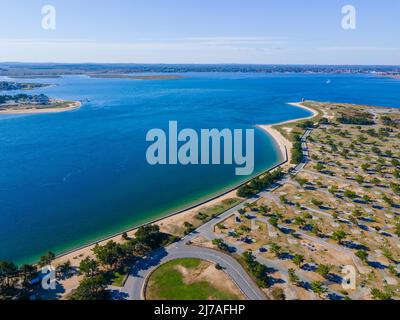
203, 64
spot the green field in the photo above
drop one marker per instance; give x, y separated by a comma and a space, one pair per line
167, 283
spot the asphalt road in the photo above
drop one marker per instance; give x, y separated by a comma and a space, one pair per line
134, 286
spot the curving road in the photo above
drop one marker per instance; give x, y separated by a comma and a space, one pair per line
135, 284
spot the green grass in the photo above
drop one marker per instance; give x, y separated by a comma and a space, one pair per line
118, 279
220, 208
166, 283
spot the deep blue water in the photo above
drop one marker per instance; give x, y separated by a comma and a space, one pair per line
70, 178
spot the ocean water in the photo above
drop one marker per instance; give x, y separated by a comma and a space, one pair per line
70, 178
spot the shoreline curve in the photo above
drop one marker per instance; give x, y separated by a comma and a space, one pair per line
284, 149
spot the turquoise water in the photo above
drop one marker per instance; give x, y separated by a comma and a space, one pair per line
70, 178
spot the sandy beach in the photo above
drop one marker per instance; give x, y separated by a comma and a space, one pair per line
283, 143
69, 107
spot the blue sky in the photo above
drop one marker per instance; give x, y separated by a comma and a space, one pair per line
201, 31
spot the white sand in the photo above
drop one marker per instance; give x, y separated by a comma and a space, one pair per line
69, 107
283, 143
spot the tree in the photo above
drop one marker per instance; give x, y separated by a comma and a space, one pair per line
138, 248
365, 166
395, 162
258, 270
388, 200
245, 191
317, 203
89, 267
387, 254
324, 270
27, 272
334, 189
8, 273
301, 181
339, 236
350, 194
299, 221
46, 259
318, 288
108, 255
276, 249
189, 228
92, 288
359, 178
298, 259
380, 295
150, 236
220, 244
293, 278
319, 166
65, 268
366, 198
125, 236
376, 181
273, 221
395, 187
397, 231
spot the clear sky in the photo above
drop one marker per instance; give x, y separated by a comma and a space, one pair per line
201, 31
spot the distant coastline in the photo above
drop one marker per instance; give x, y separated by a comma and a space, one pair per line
138, 77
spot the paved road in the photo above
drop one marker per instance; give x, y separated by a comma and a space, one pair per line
134, 286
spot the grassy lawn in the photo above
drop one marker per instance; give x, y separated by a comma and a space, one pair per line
168, 283
118, 279
213, 211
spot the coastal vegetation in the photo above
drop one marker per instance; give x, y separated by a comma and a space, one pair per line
108, 265
359, 118
260, 183
340, 210
11, 86
256, 269
24, 99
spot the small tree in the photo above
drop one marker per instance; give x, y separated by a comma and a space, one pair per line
324, 270
46, 259
276, 249
339, 236
318, 288
92, 288
317, 203
298, 259
381, 295
89, 267
293, 277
